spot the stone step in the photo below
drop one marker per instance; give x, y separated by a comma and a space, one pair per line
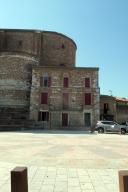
13, 115
12, 127
4, 122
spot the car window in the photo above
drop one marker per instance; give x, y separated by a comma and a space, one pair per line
116, 123
104, 122
112, 123
108, 122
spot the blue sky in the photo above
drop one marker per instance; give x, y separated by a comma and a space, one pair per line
99, 28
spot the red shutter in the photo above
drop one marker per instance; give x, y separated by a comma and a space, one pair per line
44, 98
87, 98
87, 82
65, 82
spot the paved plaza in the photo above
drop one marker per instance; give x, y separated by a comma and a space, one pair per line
62, 161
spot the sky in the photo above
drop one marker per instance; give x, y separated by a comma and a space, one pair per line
99, 28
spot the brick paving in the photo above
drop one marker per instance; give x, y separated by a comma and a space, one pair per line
64, 161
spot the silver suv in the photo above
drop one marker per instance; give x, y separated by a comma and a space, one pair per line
110, 126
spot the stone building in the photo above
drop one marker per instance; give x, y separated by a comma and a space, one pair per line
40, 84
65, 97
113, 108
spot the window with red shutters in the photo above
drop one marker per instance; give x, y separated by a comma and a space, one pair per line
87, 98
44, 98
65, 82
45, 81
87, 82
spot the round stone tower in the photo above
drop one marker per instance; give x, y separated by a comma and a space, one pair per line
20, 50
18, 53
57, 50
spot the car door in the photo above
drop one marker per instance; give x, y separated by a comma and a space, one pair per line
115, 127
112, 126
107, 126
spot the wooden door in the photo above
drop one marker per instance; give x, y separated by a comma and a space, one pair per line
87, 119
65, 119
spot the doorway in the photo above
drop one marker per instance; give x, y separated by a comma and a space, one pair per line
87, 119
64, 119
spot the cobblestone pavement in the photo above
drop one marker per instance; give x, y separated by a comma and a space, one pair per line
64, 161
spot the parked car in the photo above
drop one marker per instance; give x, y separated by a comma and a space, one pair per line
110, 126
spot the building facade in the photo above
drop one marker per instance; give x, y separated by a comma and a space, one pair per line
65, 97
40, 83
113, 108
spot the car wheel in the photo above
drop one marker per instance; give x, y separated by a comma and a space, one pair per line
123, 131
100, 130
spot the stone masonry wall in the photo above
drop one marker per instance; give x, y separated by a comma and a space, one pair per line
20, 41
57, 50
15, 80
76, 92
44, 52
121, 112
51, 48
111, 105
